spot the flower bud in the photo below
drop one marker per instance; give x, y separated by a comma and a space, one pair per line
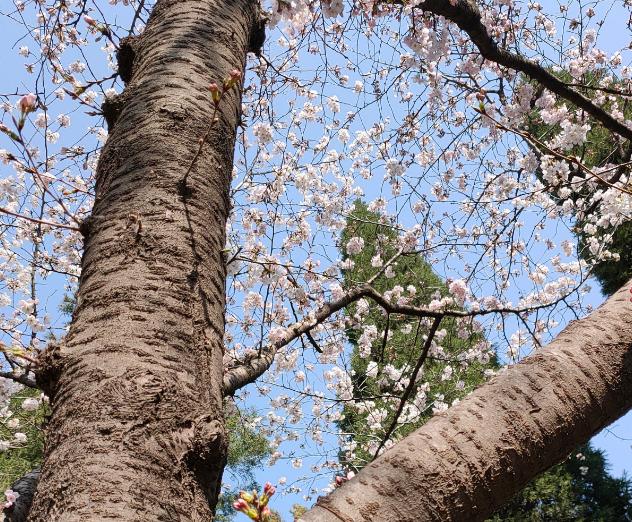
28, 103
269, 489
232, 79
248, 497
215, 94
90, 21
241, 505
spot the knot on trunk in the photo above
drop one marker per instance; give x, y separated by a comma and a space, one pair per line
111, 109
257, 36
207, 454
49, 367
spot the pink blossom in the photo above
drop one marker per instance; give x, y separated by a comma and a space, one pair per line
269, 489
11, 497
355, 245
28, 103
459, 290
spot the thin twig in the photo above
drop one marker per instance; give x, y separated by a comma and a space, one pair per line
411, 384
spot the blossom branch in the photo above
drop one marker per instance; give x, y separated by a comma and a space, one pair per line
248, 371
251, 370
569, 159
466, 15
38, 221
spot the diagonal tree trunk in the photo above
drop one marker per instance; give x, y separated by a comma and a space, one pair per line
465, 464
137, 431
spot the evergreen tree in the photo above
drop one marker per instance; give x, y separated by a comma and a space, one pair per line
398, 344
579, 490
246, 451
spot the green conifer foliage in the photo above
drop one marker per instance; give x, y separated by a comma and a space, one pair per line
578, 490
444, 377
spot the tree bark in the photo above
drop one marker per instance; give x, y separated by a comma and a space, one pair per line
465, 464
25, 486
137, 430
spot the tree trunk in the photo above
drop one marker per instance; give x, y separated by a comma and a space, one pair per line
465, 464
137, 430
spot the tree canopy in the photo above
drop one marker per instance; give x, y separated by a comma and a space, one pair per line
189, 170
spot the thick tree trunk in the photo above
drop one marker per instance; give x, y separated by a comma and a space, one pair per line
137, 430
465, 464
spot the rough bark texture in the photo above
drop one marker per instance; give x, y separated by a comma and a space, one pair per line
463, 465
137, 431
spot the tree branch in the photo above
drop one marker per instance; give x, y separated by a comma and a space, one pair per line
38, 221
250, 370
466, 15
22, 379
25, 486
466, 463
